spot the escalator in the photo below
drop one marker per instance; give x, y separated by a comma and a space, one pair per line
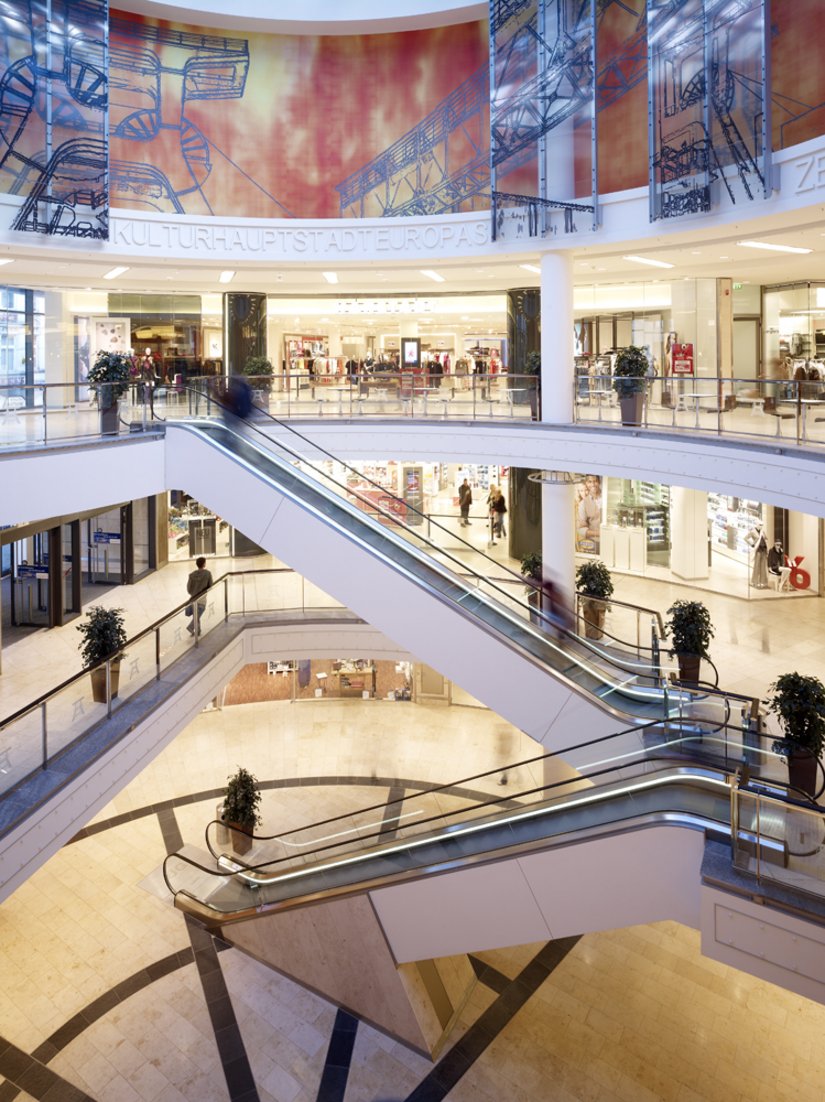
432, 601
639, 778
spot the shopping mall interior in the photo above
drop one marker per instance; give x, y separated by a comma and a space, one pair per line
342, 302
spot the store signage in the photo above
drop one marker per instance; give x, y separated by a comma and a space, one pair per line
682, 359
799, 578
106, 537
810, 173
34, 570
274, 242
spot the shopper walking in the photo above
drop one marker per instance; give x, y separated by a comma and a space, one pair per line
465, 500
199, 581
498, 507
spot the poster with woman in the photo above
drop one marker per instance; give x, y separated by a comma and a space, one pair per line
588, 508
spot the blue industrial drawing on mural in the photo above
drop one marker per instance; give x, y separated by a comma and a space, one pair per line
417, 174
543, 69
154, 72
707, 104
53, 115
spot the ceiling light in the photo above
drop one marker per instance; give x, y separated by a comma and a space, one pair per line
115, 272
330, 277
531, 268
771, 247
226, 277
646, 260
10, 260
430, 274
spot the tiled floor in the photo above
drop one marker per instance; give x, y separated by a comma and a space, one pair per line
100, 988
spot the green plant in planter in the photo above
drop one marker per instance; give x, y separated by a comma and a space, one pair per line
689, 628
112, 368
799, 703
630, 371
532, 365
104, 635
593, 580
242, 800
259, 368
531, 565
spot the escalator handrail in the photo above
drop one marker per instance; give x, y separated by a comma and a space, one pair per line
625, 666
390, 516
692, 734
673, 771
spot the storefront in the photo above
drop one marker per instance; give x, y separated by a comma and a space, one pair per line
694, 537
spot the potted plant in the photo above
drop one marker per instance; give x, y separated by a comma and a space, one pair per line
110, 375
630, 382
690, 632
241, 801
595, 588
259, 370
103, 637
533, 367
531, 568
799, 703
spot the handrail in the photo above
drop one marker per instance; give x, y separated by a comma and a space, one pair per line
131, 642
547, 622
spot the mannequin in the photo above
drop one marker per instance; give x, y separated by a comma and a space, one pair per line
759, 542
776, 565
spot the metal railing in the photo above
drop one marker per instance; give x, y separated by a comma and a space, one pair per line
777, 839
34, 735
785, 409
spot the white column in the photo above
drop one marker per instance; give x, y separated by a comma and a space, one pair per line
59, 365
558, 533
688, 532
557, 338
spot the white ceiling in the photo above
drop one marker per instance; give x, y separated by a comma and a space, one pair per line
713, 252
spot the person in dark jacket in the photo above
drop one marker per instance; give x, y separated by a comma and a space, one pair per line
465, 500
198, 582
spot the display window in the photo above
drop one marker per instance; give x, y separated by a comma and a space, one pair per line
321, 678
195, 530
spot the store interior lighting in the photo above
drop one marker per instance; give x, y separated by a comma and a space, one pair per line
531, 268
330, 277
113, 273
647, 260
771, 247
6, 260
430, 274
226, 277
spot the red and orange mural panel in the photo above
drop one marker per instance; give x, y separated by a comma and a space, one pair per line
265, 125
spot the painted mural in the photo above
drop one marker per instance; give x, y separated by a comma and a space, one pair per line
295, 126
257, 125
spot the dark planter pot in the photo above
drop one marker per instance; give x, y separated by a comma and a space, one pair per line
109, 411
99, 682
689, 667
631, 407
802, 771
593, 612
241, 842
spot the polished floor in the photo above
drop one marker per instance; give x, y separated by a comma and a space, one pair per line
108, 994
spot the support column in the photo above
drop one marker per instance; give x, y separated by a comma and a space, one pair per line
557, 347
244, 329
558, 533
688, 532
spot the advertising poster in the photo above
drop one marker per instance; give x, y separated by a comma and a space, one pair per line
412, 481
588, 508
682, 359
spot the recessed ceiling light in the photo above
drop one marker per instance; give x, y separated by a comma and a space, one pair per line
430, 274
226, 277
115, 272
531, 268
647, 260
330, 277
769, 245
10, 260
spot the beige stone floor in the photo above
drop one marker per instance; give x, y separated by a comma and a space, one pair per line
633, 1014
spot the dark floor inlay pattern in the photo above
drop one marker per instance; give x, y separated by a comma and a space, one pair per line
25, 1073
339, 1056
489, 976
444, 1076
